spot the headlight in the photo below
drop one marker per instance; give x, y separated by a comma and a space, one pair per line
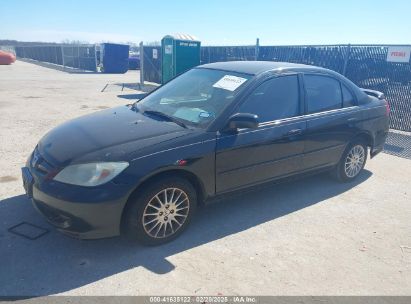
92, 174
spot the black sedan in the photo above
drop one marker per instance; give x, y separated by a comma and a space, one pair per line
143, 168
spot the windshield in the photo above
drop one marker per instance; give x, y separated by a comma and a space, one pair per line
196, 97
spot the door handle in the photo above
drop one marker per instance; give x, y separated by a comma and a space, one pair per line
293, 132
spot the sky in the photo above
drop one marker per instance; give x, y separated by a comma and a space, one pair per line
214, 22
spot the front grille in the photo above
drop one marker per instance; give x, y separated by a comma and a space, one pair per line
40, 164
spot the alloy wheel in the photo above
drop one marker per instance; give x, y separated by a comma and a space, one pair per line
166, 213
354, 161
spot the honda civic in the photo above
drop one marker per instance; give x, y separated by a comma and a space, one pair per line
142, 169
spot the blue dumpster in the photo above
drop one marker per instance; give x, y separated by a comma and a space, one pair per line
114, 57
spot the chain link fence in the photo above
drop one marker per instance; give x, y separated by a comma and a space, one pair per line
150, 63
8, 49
365, 65
227, 53
73, 57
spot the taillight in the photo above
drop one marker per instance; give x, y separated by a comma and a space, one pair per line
387, 107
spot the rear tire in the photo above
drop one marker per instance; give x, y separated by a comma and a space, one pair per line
352, 162
161, 212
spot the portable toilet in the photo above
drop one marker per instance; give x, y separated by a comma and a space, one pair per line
180, 53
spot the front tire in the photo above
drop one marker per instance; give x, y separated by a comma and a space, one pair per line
162, 211
352, 162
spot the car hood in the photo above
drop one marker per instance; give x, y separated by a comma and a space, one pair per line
108, 135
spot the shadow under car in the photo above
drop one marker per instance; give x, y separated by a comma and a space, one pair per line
56, 263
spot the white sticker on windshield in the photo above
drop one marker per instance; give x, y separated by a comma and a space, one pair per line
204, 114
229, 82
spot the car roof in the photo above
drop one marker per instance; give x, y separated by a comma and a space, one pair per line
258, 67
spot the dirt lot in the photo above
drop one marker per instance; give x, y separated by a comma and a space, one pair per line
312, 236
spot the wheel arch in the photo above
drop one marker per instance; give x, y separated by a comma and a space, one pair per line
365, 137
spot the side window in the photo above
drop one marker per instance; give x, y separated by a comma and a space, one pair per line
348, 99
323, 93
276, 98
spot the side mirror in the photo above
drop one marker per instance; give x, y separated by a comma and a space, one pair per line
242, 121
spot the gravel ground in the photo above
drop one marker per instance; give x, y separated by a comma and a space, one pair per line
310, 236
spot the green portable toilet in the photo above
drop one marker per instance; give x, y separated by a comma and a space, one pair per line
180, 53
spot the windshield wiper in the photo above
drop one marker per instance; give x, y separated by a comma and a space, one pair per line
166, 116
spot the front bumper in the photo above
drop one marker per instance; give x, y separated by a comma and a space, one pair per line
80, 220
83, 212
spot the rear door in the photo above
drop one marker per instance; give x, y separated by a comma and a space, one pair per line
332, 116
272, 150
